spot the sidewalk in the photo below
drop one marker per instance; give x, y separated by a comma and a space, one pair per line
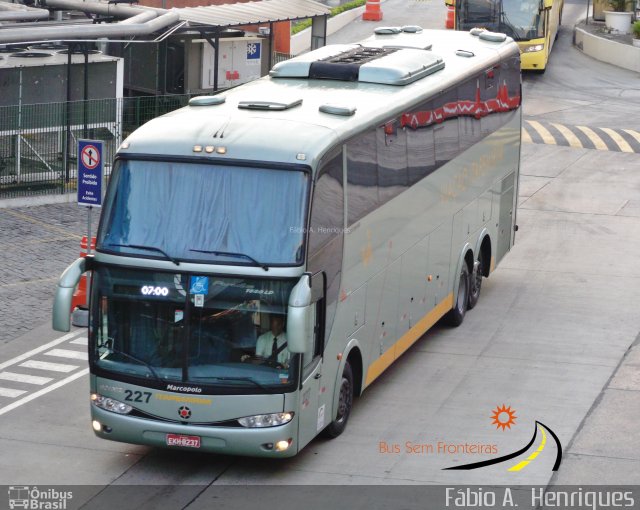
596, 41
37, 244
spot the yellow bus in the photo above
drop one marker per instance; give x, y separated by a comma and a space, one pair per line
534, 24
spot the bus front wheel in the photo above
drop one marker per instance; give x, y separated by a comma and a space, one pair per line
345, 402
456, 315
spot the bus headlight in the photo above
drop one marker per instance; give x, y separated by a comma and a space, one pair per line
532, 48
265, 420
110, 404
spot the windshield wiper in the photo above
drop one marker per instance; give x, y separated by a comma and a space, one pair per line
148, 248
231, 254
248, 379
138, 360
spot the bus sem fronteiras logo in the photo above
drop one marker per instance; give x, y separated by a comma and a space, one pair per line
503, 417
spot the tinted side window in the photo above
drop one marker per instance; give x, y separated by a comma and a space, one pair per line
392, 161
326, 235
468, 123
446, 130
421, 148
362, 176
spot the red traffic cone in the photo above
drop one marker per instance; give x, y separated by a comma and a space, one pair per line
372, 11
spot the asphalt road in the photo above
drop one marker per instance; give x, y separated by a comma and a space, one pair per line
554, 337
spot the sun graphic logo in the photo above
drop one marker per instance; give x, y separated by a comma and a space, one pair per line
184, 412
503, 417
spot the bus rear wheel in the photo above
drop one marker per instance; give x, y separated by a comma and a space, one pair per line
345, 403
456, 315
475, 283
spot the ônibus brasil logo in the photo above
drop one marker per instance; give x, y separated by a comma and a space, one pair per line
22, 496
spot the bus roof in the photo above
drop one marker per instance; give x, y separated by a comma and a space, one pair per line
279, 119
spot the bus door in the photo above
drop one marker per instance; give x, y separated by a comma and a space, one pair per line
313, 417
505, 218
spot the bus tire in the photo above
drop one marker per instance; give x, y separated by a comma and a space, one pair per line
456, 314
475, 283
345, 403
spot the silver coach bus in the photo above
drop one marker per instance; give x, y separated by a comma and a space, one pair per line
265, 254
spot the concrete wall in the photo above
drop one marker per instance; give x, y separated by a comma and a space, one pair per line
611, 52
301, 41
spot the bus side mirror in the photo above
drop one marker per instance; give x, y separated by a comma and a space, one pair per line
547, 4
301, 314
61, 320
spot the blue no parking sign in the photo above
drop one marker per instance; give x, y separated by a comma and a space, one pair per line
90, 172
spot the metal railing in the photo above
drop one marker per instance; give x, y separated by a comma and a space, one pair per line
39, 142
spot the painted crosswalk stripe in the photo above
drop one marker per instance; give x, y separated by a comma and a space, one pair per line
24, 378
37, 350
11, 393
543, 132
80, 341
621, 142
526, 137
65, 353
568, 134
43, 391
45, 365
595, 139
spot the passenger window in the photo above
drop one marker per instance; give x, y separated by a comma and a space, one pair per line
392, 161
421, 150
326, 232
446, 131
362, 176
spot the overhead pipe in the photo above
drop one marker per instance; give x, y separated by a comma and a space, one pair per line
19, 12
144, 23
104, 8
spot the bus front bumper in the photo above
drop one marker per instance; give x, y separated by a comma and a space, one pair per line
252, 442
533, 60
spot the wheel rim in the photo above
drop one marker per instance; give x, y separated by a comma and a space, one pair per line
345, 400
462, 293
477, 281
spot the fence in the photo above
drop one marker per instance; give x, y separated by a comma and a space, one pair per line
38, 142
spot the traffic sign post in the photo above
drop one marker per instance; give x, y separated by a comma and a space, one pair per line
90, 173
90, 177
90, 182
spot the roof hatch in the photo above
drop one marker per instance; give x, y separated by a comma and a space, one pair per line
383, 65
269, 105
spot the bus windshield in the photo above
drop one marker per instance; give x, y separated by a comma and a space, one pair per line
521, 19
169, 328
205, 213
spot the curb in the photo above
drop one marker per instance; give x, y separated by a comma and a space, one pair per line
10, 203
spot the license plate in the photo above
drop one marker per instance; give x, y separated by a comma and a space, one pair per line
185, 441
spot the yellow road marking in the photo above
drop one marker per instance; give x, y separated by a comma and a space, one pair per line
543, 132
43, 280
633, 133
573, 140
526, 137
524, 463
621, 142
25, 217
597, 141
